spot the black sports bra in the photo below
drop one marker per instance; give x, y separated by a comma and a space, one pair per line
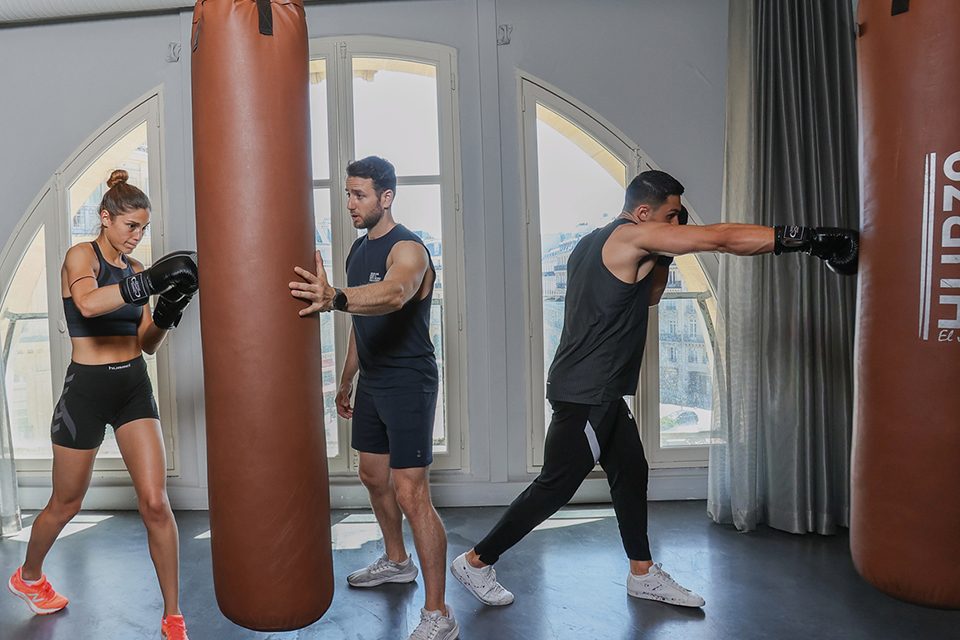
120, 322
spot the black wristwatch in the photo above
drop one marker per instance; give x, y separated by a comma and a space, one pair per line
339, 300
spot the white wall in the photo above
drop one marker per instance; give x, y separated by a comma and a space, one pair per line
654, 69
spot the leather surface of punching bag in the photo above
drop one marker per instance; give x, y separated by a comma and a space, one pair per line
266, 449
905, 519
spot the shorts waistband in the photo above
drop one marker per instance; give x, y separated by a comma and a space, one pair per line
111, 366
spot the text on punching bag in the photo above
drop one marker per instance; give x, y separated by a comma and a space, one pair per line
945, 254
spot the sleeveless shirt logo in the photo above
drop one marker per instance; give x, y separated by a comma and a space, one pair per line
375, 277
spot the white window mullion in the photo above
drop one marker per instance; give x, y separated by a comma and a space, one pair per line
342, 151
534, 314
158, 223
454, 330
57, 234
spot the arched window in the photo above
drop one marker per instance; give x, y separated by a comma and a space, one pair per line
577, 168
36, 346
396, 99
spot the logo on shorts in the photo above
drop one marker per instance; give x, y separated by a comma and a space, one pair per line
111, 367
375, 277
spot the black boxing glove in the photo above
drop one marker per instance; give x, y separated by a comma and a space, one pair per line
177, 270
169, 309
682, 218
840, 248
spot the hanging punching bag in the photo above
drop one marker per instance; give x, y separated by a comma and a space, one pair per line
905, 519
266, 451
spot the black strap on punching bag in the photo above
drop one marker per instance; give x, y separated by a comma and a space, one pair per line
265, 13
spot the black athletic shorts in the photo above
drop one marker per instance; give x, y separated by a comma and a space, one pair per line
95, 395
401, 425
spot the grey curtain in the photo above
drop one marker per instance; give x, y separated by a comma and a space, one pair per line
785, 328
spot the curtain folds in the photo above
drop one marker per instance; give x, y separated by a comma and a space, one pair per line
785, 333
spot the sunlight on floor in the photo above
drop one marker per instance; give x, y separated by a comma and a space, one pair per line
79, 523
354, 531
357, 529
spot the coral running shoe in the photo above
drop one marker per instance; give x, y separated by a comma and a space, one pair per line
172, 627
39, 596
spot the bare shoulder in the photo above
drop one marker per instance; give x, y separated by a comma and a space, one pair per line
81, 257
82, 251
631, 238
408, 252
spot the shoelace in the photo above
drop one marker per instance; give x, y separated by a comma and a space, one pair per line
45, 589
427, 633
669, 580
381, 564
492, 586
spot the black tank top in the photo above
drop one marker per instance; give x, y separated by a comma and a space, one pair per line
604, 328
395, 350
120, 322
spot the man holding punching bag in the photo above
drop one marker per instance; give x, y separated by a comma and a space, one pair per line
615, 274
391, 276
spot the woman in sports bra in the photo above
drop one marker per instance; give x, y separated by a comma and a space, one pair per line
105, 295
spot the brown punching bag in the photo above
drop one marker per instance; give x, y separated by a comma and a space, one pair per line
266, 451
905, 520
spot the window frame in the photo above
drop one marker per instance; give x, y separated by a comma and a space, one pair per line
649, 405
338, 53
50, 212
645, 405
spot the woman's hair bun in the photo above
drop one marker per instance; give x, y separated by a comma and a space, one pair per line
117, 176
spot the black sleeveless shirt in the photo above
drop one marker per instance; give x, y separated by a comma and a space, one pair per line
395, 350
604, 328
121, 322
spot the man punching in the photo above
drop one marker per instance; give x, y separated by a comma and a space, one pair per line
390, 275
615, 274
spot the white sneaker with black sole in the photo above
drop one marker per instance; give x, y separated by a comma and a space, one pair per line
482, 583
384, 570
658, 585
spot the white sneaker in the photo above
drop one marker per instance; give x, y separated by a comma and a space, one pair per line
658, 585
434, 626
482, 583
384, 570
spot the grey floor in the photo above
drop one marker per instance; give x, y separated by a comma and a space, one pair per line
568, 578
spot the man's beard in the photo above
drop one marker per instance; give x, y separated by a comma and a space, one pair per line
368, 222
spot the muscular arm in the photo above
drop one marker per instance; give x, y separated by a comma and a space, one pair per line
672, 240
630, 251
407, 265
81, 283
